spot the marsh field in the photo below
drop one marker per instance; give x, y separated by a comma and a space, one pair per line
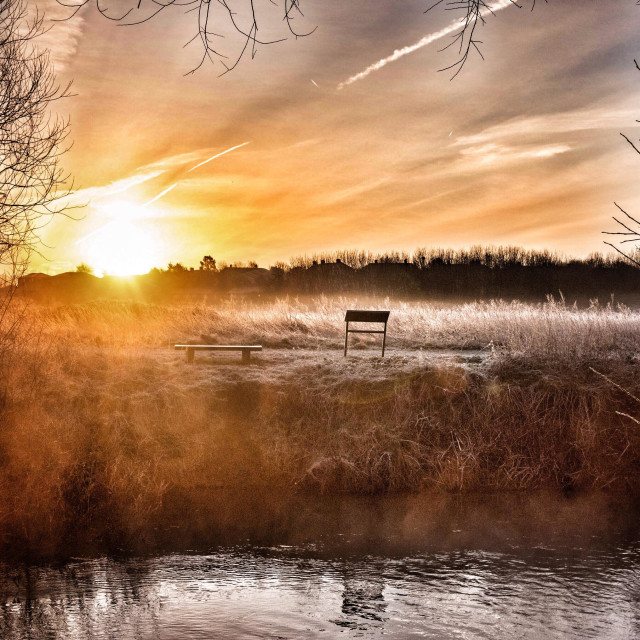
111, 440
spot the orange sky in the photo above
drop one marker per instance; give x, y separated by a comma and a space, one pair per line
523, 148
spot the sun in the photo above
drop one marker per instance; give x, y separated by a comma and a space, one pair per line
127, 245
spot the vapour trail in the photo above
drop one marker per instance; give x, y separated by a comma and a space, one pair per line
162, 193
200, 164
217, 156
432, 37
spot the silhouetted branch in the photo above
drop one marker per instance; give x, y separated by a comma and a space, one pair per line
631, 143
473, 16
211, 17
632, 233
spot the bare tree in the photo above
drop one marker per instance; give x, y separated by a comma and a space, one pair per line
31, 139
31, 142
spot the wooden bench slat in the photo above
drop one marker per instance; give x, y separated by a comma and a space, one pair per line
362, 315
219, 347
364, 331
245, 349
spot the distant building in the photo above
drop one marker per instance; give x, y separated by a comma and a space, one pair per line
327, 277
390, 277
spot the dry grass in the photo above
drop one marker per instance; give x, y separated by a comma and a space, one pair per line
552, 329
107, 431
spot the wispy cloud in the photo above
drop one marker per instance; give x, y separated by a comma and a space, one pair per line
351, 192
63, 35
550, 123
492, 153
92, 194
97, 194
146, 173
454, 26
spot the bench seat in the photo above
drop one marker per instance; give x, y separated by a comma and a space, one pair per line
246, 349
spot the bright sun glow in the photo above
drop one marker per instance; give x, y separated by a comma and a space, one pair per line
127, 245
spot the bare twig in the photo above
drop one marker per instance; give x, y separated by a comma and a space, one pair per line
615, 384
210, 17
465, 40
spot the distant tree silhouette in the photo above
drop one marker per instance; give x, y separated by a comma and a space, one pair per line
178, 267
208, 264
83, 267
30, 139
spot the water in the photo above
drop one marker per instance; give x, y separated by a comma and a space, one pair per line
565, 575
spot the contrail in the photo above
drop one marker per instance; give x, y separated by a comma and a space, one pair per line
217, 156
162, 193
432, 37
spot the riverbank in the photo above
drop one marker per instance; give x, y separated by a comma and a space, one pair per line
109, 436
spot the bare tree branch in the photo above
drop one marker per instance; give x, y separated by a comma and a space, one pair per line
242, 16
633, 234
211, 16
465, 40
31, 139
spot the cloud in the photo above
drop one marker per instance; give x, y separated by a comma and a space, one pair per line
91, 194
63, 35
451, 28
351, 192
492, 153
94, 195
165, 167
554, 123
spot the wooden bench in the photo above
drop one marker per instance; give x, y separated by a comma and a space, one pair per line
245, 349
360, 315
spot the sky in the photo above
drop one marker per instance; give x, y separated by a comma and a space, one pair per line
347, 138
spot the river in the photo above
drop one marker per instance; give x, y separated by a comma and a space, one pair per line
548, 568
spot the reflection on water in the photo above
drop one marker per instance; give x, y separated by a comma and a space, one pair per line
581, 585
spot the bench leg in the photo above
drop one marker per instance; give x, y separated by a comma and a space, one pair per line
190, 353
384, 339
246, 356
346, 337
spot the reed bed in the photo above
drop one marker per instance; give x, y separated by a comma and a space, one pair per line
551, 329
108, 434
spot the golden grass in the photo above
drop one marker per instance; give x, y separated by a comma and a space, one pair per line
549, 329
107, 431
